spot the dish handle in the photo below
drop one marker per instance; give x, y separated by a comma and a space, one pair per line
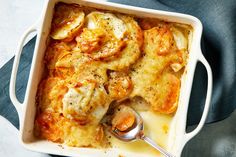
12, 91
191, 134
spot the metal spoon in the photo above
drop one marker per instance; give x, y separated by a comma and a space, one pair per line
137, 132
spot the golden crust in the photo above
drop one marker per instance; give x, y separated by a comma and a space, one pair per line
87, 102
54, 127
160, 92
119, 85
160, 54
159, 41
50, 94
90, 40
95, 44
168, 94
132, 51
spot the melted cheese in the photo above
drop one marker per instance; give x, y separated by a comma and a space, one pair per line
107, 21
77, 101
132, 51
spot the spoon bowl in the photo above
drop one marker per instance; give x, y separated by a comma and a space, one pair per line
136, 132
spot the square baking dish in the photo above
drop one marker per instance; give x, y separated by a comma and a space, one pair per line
26, 111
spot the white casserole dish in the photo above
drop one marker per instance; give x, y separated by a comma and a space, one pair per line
177, 135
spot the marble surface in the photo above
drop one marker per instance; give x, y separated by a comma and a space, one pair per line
218, 139
9, 145
16, 16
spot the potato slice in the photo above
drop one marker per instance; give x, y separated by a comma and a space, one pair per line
86, 103
180, 40
167, 95
123, 118
112, 25
159, 41
67, 21
98, 44
182, 44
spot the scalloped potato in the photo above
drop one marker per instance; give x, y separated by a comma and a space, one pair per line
97, 59
67, 21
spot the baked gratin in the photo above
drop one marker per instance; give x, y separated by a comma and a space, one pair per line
98, 59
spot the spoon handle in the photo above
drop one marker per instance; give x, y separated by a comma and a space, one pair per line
153, 144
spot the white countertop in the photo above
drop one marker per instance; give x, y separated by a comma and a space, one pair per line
15, 16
